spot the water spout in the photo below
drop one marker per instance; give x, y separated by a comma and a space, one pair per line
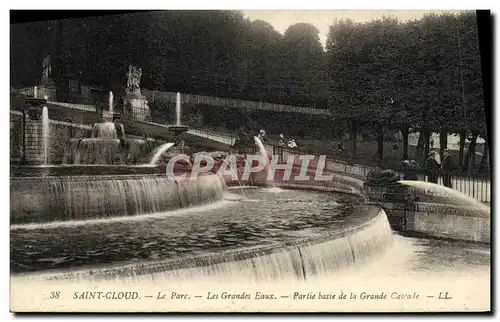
111, 110
431, 189
178, 109
263, 152
235, 174
35, 92
45, 134
159, 152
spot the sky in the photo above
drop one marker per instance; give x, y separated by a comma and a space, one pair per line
282, 19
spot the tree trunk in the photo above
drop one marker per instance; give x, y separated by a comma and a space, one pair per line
405, 132
354, 135
426, 136
462, 135
380, 141
443, 142
420, 146
484, 158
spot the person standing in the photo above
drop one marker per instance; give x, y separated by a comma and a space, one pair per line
410, 170
432, 167
282, 140
413, 172
446, 168
406, 170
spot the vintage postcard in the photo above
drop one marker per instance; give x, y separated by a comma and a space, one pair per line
250, 161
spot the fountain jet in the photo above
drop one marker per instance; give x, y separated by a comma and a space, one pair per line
111, 110
45, 134
159, 152
178, 109
265, 171
431, 191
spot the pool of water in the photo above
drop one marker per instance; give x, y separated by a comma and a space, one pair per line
246, 218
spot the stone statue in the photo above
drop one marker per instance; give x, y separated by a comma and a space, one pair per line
129, 76
134, 101
133, 79
138, 77
47, 70
381, 178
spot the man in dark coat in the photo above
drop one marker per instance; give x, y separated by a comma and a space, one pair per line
406, 170
410, 170
413, 172
432, 167
446, 168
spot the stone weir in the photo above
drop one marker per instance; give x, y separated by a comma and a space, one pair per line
66, 198
299, 259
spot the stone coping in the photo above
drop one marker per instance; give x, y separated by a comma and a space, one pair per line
454, 210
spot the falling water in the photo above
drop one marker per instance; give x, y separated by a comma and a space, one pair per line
102, 148
178, 109
159, 152
35, 92
52, 199
106, 130
45, 134
111, 109
431, 190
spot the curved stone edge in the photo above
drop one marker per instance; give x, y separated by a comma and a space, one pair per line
353, 239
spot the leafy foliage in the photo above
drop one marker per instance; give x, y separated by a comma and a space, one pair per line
421, 73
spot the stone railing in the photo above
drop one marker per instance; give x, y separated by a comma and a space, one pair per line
169, 97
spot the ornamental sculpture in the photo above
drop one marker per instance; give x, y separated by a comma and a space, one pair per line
47, 70
133, 79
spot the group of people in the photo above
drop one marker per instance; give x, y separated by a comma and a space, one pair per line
432, 167
290, 144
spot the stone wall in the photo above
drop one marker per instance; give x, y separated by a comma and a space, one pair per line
434, 215
449, 221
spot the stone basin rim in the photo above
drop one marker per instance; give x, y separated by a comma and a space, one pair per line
243, 253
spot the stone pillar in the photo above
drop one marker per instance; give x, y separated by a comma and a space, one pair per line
16, 138
34, 141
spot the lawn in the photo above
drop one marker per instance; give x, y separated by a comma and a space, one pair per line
366, 152
199, 144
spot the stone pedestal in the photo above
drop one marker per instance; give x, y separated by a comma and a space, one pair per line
47, 91
178, 137
136, 106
